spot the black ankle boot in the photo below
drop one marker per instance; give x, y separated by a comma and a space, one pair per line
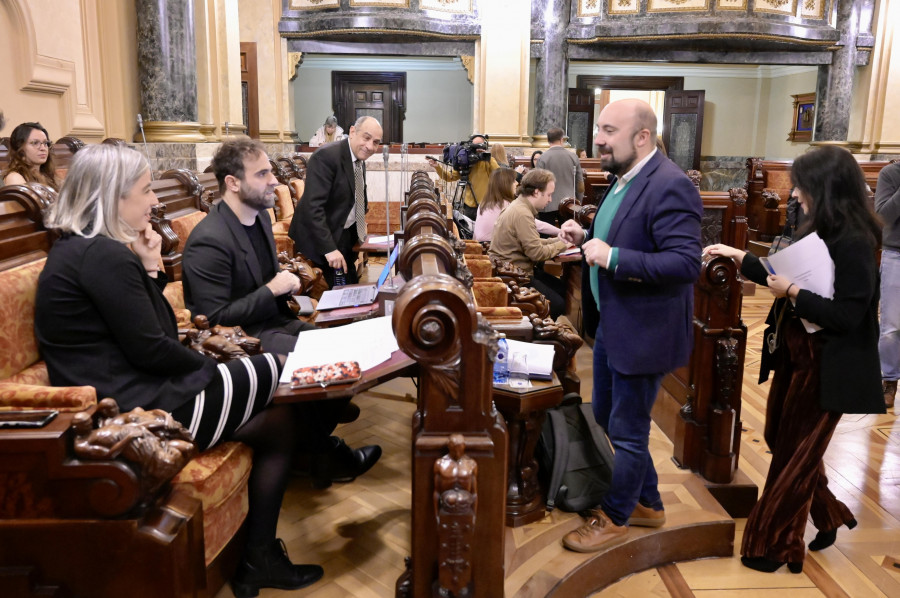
825, 539
268, 566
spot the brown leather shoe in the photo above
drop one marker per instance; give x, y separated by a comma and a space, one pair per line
597, 533
646, 517
890, 390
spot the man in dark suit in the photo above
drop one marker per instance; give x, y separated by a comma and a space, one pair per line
231, 275
330, 217
641, 259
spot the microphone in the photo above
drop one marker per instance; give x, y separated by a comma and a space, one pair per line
387, 211
140, 123
385, 150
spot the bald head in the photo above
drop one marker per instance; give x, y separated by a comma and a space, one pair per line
626, 134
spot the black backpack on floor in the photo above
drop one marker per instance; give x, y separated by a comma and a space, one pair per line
574, 456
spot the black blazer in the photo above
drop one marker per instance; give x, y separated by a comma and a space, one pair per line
850, 370
101, 321
222, 277
327, 200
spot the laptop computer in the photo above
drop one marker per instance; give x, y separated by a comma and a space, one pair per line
357, 295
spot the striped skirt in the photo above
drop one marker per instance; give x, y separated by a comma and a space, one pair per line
242, 388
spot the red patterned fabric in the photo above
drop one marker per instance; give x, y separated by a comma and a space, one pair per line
18, 347
26, 396
183, 225
218, 478
35, 375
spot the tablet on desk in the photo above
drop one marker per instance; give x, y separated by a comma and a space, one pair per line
27, 419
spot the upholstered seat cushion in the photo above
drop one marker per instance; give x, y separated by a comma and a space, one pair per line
218, 478
490, 293
479, 266
183, 225
18, 347
31, 396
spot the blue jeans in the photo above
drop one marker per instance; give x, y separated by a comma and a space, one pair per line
889, 343
622, 407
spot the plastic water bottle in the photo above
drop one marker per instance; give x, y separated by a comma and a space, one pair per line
501, 363
340, 279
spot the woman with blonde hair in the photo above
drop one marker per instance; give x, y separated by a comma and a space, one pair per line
501, 191
29, 157
101, 320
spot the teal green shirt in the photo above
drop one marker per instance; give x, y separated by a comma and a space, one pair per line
602, 223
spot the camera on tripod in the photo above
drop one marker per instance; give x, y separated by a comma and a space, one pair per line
465, 154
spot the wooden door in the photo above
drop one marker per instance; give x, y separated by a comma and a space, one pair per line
380, 95
249, 89
580, 119
683, 127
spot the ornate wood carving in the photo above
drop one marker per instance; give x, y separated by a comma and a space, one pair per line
455, 502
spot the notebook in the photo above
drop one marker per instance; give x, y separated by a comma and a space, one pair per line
357, 295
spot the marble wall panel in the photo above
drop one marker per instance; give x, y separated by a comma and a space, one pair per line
721, 173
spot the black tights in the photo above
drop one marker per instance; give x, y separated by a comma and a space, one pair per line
271, 435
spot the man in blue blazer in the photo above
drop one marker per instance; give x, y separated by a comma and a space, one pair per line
641, 259
330, 217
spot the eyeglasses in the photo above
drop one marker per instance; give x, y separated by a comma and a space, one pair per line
37, 143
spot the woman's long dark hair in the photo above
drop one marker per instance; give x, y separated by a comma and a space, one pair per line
499, 189
17, 162
839, 197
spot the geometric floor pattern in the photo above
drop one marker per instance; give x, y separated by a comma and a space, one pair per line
359, 532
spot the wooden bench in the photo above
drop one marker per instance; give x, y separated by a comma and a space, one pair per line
89, 528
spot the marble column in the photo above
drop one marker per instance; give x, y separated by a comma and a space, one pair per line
167, 70
834, 86
552, 78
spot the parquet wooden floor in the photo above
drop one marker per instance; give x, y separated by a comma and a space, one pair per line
359, 532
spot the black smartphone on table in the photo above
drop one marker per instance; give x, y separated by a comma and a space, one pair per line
27, 419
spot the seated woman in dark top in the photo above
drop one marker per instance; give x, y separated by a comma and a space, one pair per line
101, 320
29, 157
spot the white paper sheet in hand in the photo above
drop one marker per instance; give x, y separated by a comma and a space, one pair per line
808, 265
368, 342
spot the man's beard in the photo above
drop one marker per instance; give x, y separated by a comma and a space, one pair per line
258, 201
616, 166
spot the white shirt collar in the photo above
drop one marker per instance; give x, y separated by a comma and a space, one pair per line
625, 178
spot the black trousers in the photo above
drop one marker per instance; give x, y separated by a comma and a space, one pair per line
345, 245
553, 289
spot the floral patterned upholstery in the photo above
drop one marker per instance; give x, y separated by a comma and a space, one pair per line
490, 293
18, 347
29, 396
218, 478
480, 266
183, 225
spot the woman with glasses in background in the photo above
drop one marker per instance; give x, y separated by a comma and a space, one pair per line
29, 157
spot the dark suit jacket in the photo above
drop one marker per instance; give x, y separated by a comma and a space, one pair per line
327, 200
850, 370
223, 280
101, 321
647, 303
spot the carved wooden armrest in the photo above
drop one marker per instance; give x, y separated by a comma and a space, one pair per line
566, 342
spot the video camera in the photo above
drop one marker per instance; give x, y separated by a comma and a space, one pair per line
465, 154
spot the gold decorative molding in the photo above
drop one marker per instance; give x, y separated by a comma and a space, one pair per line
171, 132
381, 3
357, 30
294, 60
510, 140
468, 63
731, 4
540, 141
209, 132
812, 9
270, 136
827, 44
778, 7
589, 8
624, 7
459, 7
657, 6
314, 4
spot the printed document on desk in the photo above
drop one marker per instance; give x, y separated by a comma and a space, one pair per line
539, 358
808, 265
368, 342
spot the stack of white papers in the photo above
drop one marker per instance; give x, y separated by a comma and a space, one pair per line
368, 342
538, 359
808, 265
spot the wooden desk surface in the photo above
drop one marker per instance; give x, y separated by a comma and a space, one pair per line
398, 365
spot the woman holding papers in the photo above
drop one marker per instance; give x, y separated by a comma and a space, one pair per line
817, 376
101, 320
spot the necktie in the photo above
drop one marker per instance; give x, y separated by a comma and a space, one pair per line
360, 200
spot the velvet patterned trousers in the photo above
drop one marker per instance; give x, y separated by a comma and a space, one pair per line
798, 432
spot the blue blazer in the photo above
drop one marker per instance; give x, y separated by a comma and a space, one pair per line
647, 303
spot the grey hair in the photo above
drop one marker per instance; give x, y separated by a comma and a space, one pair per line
98, 177
362, 120
331, 120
